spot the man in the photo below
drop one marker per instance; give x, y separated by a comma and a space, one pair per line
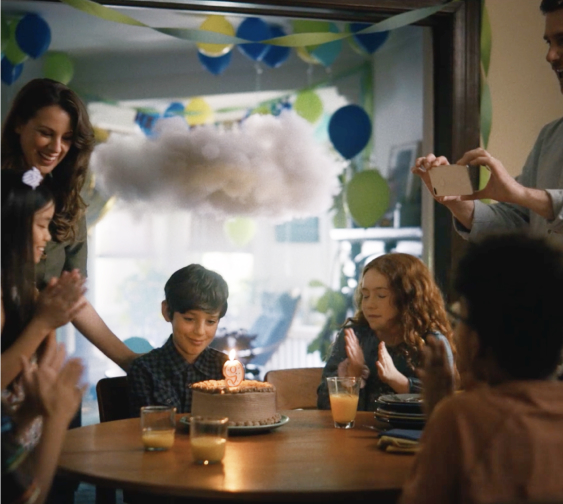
534, 200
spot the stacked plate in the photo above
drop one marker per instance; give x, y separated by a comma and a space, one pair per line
401, 411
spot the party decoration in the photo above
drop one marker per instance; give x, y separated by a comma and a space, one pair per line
349, 130
216, 64
198, 111
240, 230
306, 56
327, 53
146, 119
58, 66
369, 42
254, 28
33, 35
309, 106
10, 73
13, 51
5, 33
367, 197
276, 55
175, 109
217, 24
233, 371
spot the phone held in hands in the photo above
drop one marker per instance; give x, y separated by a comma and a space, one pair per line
452, 180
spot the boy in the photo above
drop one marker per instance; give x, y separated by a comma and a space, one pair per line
501, 440
195, 301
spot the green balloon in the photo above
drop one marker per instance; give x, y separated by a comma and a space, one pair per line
240, 230
58, 66
367, 197
309, 106
5, 33
13, 51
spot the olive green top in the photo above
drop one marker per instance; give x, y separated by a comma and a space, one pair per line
64, 256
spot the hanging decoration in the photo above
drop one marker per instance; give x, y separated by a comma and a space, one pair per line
367, 197
10, 73
198, 112
216, 64
318, 54
240, 230
256, 30
349, 130
276, 55
58, 66
33, 35
309, 106
219, 25
365, 43
4, 33
175, 109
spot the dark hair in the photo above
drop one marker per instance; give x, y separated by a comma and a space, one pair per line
416, 296
512, 284
551, 5
19, 204
196, 288
69, 175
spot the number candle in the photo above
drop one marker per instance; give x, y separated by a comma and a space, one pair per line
233, 371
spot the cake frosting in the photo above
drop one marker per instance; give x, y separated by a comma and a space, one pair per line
251, 403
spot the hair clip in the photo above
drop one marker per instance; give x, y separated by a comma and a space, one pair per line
32, 177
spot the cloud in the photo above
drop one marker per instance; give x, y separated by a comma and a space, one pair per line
265, 167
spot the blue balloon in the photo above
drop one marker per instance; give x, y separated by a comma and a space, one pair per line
254, 29
349, 130
10, 73
369, 42
276, 55
174, 109
216, 65
33, 35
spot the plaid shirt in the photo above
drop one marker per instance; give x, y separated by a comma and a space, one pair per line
164, 377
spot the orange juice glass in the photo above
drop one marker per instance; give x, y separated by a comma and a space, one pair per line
158, 425
344, 393
208, 439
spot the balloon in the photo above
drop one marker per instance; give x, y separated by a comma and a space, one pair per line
146, 119
216, 64
254, 29
217, 24
349, 130
5, 32
13, 51
33, 35
174, 109
276, 55
306, 56
369, 42
309, 26
10, 73
58, 66
367, 197
240, 230
327, 53
198, 112
308, 105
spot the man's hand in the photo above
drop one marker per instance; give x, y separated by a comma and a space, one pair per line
388, 373
356, 359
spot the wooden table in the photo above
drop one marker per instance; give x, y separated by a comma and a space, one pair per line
306, 459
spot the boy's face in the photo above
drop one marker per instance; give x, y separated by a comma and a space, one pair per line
467, 344
192, 331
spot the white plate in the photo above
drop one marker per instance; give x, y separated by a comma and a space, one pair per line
244, 429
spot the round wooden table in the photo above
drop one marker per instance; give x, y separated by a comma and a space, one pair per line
306, 459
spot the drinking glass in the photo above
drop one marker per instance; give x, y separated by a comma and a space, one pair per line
158, 424
208, 438
344, 393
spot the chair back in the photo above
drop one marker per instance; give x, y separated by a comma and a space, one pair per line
295, 388
113, 398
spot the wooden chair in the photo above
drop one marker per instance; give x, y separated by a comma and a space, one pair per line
296, 388
113, 398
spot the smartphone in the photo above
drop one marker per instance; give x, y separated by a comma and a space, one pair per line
451, 180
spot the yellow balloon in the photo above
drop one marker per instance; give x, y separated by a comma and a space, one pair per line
198, 111
306, 56
217, 24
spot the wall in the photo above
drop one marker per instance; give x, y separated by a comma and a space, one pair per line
524, 90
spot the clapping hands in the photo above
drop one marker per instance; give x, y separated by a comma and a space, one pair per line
356, 360
387, 371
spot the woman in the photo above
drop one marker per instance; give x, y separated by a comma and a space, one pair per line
48, 128
398, 306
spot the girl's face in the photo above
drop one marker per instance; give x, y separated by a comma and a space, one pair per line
41, 235
46, 138
378, 304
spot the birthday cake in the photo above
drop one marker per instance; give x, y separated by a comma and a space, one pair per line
251, 403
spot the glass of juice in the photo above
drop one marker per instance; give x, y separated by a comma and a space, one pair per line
158, 425
343, 393
208, 438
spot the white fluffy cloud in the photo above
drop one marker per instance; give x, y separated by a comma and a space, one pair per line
266, 167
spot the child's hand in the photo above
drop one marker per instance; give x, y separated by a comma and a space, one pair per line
62, 299
436, 375
388, 373
356, 360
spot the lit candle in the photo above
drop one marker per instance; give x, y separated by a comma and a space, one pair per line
233, 371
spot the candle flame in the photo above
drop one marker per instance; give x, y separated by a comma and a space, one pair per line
232, 354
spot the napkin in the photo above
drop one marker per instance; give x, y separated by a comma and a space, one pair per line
400, 440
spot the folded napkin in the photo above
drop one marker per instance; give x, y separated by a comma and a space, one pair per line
399, 440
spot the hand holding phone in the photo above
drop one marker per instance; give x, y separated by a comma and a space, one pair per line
451, 180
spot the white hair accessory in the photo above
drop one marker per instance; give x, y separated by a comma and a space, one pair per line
32, 177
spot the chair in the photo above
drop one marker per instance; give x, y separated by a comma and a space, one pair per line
295, 388
113, 398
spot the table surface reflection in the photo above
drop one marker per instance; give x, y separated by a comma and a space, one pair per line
305, 459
